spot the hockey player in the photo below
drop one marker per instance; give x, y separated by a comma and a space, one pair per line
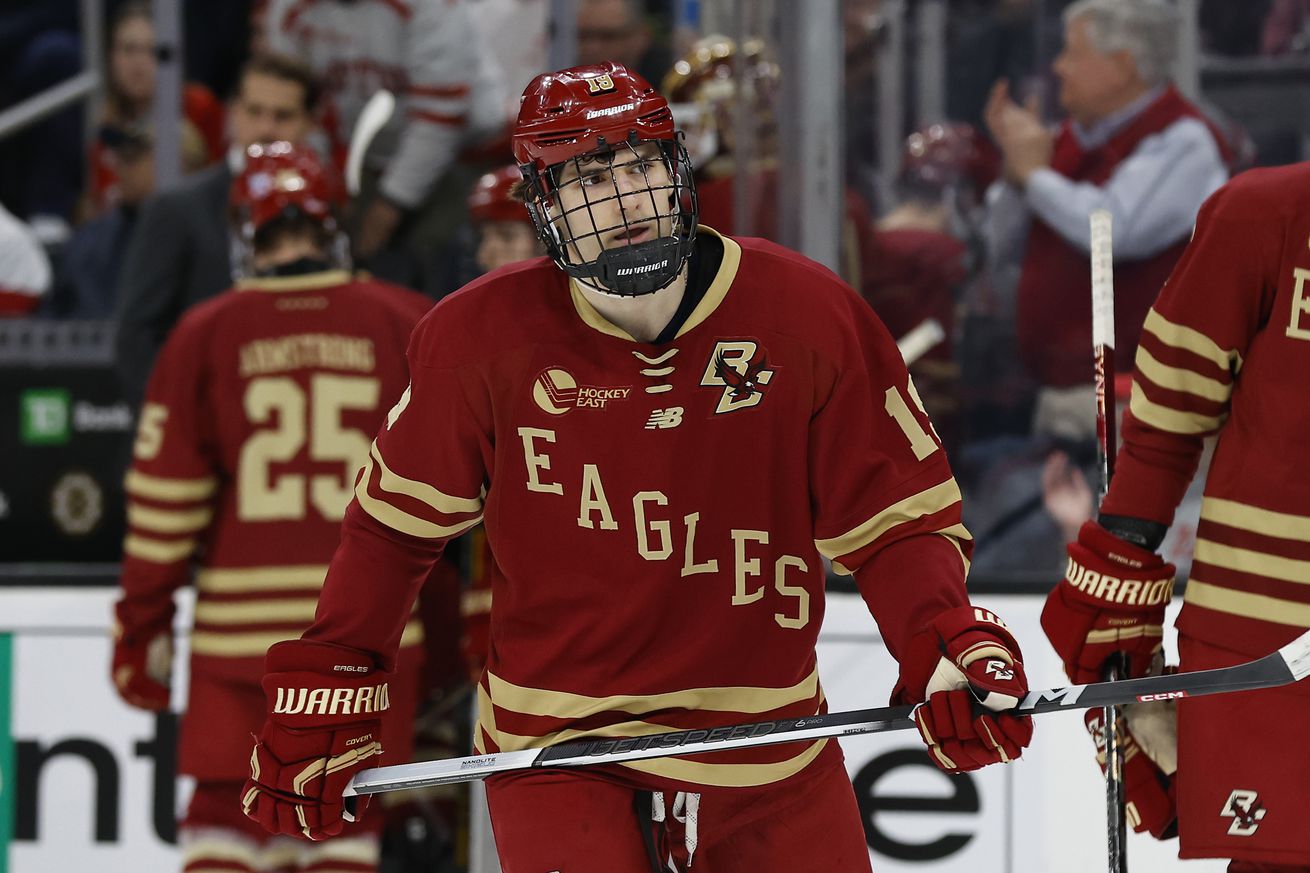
504, 228
663, 429
257, 417
1223, 351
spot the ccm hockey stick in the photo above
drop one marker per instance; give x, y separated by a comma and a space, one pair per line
1289, 664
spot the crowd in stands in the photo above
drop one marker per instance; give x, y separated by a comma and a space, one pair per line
984, 210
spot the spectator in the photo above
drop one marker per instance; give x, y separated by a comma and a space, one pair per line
505, 230
179, 253
24, 267
428, 53
89, 264
207, 491
1133, 145
42, 166
1285, 28
130, 92
618, 30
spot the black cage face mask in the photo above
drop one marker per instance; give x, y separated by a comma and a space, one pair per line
632, 210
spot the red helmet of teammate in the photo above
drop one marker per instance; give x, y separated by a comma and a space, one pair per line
604, 111
952, 155
281, 181
492, 197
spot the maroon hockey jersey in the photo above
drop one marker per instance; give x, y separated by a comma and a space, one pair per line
259, 413
1225, 350
657, 512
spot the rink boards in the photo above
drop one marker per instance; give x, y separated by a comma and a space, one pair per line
87, 783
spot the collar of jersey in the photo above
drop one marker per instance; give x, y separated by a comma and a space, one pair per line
307, 282
713, 296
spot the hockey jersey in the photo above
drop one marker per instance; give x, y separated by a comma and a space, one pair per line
658, 513
1225, 350
258, 415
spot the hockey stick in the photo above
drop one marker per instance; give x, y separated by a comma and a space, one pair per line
920, 340
1102, 258
1289, 664
372, 118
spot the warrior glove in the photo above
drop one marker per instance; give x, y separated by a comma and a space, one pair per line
1111, 601
324, 724
964, 670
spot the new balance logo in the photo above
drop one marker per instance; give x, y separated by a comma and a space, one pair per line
1245, 809
1000, 670
664, 418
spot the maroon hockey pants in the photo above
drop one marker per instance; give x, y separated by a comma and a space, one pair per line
572, 821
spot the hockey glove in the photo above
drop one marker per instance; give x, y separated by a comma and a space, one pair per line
324, 724
964, 670
1111, 600
1150, 803
143, 666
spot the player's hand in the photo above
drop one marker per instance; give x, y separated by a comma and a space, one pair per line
965, 670
142, 667
1111, 601
324, 724
1150, 804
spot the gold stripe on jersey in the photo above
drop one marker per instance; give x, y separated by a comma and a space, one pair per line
926, 502
245, 580
281, 609
475, 602
444, 503
167, 521
1180, 379
300, 609
736, 775
566, 705
253, 644
1172, 420
1253, 562
956, 534
728, 775
1244, 516
1247, 605
218, 851
307, 282
398, 519
719, 287
1191, 340
157, 551
138, 484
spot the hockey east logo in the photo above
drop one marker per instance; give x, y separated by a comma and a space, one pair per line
556, 391
1245, 809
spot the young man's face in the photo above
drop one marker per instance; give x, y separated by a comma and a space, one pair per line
504, 242
619, 199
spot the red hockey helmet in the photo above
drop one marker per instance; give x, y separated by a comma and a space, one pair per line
279, 180
603, 113
949, 155
492, 197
